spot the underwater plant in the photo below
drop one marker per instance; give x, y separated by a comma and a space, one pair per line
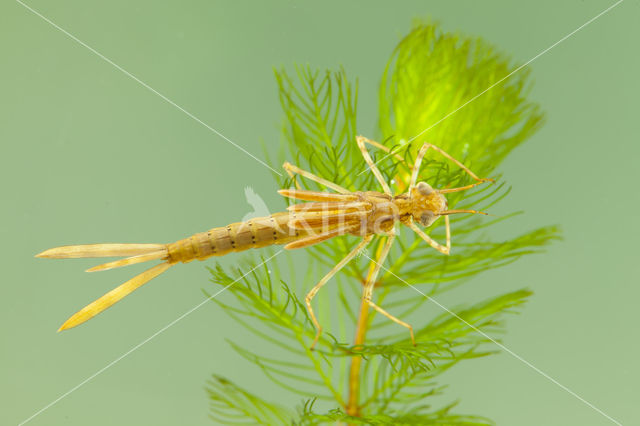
365, 369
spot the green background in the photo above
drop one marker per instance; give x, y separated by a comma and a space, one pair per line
90, 155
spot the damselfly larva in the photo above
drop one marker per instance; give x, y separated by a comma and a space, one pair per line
325, 216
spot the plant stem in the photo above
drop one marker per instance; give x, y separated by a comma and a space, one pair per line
353, 406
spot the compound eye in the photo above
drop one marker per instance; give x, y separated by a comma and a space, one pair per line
427, 218
424, 188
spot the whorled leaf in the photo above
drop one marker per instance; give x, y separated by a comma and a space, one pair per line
451, 91
231, 404
421, 415
280, 318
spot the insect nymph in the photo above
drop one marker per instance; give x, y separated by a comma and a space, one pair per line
326, 215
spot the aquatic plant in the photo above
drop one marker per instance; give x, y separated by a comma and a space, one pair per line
378, 376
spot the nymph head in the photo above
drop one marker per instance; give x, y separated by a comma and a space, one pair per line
427, 204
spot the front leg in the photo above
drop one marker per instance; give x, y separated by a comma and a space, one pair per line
421, 154
433, 243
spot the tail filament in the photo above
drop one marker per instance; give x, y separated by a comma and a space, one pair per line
136, 253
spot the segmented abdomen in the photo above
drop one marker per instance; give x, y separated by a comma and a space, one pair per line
240, 236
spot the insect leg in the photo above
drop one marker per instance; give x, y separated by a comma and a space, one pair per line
385, 187
293, 177
463, 188
366, 240
423, 151
433, 243
385, 149
394, 319
320, 237
368, 289
290, 168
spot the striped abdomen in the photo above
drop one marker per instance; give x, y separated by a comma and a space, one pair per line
240, 236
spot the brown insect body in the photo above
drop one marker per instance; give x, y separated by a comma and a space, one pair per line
422, 204
325, 215
373, 212
235, 237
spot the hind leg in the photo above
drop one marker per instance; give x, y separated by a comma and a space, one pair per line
323, 281
367, 293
